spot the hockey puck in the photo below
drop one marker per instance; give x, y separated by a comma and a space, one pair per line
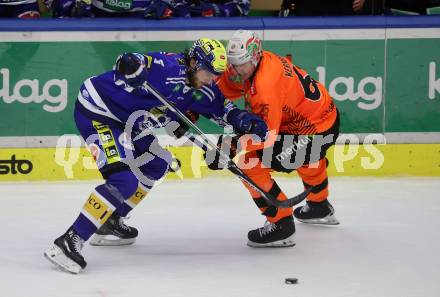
291, 281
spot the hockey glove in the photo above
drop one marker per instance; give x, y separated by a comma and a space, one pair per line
245, 122
229, 145
130, 69
183, 127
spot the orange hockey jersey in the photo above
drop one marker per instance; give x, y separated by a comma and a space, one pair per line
284, 95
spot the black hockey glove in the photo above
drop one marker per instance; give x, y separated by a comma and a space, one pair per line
183, 127
227, 144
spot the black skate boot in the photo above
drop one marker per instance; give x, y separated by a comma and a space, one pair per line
279, 234
114, 232
66, 252
316, 213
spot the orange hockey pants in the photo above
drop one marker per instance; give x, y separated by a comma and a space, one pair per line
311, 175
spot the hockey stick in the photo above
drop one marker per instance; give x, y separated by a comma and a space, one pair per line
240, 174
228, 162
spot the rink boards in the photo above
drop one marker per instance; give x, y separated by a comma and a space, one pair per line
384, 74
22, 164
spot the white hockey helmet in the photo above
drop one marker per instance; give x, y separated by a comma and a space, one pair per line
244, 46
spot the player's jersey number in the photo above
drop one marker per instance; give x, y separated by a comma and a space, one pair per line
309, 85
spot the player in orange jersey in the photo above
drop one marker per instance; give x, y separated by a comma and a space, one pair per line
303, 123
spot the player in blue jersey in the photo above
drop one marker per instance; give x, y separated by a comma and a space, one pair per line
161, 9
115, 115
150, 9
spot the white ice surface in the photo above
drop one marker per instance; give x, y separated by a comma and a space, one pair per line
192, 243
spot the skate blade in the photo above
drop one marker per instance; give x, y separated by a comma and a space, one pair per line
288, 242
108, 240
61, 261
328, 220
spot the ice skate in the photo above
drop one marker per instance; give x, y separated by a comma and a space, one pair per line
316, 213
279, 234
66, 252
114, 232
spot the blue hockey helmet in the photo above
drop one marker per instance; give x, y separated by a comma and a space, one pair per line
131, 68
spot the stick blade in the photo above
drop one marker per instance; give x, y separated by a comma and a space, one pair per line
294, 200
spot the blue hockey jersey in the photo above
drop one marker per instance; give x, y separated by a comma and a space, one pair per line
109, 98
